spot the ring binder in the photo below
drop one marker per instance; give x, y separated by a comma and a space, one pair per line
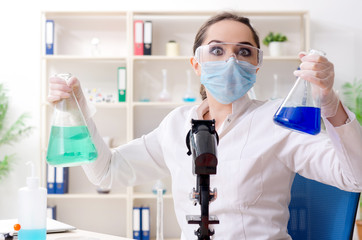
51, 179
137, 223
138, 37
49, 37
61, 176
147, 40
145, 215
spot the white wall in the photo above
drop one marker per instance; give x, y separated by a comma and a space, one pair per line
335, 28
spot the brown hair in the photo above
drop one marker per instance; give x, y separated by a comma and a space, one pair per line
200, 36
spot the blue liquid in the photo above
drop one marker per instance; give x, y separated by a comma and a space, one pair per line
32, 234
302, 119
189, 99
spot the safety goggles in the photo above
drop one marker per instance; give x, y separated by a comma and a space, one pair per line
223, 51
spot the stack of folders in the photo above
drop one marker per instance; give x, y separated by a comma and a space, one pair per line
58, 180
142, 37
141, 223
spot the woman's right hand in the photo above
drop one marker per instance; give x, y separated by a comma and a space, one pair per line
60, 89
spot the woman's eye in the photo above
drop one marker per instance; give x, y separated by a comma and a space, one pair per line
244, 52
217, 51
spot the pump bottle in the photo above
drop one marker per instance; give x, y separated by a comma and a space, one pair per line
32, 202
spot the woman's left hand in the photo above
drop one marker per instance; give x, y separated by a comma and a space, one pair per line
319, 71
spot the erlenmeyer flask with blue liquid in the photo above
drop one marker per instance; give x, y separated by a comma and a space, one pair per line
70, 143
300, 110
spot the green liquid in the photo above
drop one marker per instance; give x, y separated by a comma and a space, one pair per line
70, 146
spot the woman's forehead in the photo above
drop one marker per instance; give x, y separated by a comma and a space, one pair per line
229, 31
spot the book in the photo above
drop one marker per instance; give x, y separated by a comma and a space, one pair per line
138, 37
147, 38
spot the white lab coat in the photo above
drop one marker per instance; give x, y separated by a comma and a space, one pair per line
257, 161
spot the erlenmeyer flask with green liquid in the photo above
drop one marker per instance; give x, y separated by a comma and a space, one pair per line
70, 143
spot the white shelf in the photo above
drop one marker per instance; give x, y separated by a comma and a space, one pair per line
162, 104
160, 57
100, 105
84, 58
275, 13
87, 196
64, 14
150, 196
110, 105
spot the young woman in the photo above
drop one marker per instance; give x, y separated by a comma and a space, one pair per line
257, 160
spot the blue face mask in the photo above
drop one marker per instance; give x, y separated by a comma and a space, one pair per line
229, 80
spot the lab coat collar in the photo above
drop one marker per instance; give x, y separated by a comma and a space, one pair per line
238, 107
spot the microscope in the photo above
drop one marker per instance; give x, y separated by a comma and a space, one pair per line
202, 141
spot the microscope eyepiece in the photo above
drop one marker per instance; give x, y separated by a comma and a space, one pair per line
202, 142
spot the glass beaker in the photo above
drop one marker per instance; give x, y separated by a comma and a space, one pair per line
300, 110
70, 143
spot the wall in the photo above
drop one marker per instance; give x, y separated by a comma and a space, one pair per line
335, 28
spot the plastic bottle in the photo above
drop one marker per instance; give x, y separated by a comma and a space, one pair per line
300, 110
32, 209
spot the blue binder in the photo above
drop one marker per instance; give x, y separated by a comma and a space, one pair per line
62, 177
49, 37
145, 225
137, 223
51, 179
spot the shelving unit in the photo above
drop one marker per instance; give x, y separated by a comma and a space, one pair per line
111, 213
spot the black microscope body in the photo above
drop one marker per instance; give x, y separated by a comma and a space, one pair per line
202, 141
